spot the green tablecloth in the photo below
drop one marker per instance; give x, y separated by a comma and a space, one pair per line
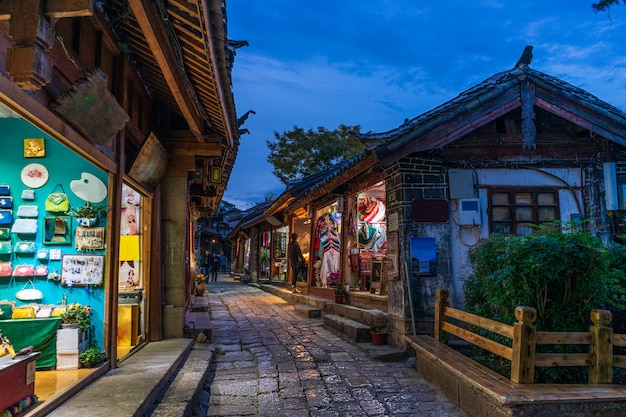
40, 333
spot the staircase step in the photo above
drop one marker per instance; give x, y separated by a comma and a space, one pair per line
308, 311
352, 329
183, 394
197, 322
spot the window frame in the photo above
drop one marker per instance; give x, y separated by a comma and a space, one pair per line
512, 206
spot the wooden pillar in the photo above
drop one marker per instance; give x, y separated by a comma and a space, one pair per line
524, 331
440, 305
601, 348
32, 32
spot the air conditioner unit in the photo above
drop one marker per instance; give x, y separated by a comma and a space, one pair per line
469, 212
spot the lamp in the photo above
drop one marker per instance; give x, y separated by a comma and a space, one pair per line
216, 174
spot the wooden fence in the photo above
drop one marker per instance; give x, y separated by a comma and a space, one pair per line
524, 339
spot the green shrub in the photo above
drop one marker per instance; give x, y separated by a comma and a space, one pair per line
562, 275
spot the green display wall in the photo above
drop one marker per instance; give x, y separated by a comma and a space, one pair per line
63, 166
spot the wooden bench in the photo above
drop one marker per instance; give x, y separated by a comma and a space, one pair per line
483, 392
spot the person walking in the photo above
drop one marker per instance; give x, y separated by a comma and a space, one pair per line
215, 266
296, 259
205, 263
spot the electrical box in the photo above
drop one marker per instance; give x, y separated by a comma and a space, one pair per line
462, 183
469, 212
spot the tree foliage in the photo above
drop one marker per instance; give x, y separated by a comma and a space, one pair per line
298, 152
562, 275
604, 5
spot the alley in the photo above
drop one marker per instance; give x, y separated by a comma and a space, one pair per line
270, 361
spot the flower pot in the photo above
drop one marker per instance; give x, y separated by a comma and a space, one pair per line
378, 337
200, 288
338, 299
87, 221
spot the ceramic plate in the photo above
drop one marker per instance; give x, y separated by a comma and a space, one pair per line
34, 175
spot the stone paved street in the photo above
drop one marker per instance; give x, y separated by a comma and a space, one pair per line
270, 361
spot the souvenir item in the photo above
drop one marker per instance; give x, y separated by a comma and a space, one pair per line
5, 189
42, 254
25, 226
57, 201
28, 211
24, 248
23, 312
41, 271
44, 312
5, 233
6, 309
23, 271
57, 311
6, 217
89, 188
6, 248
34, 175
28, 195
6, 202
6, 270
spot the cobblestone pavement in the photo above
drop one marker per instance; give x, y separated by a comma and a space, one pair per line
270, 361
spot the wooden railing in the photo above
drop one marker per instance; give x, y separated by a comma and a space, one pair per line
524, 339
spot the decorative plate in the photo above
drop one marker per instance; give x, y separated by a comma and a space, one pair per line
34, 175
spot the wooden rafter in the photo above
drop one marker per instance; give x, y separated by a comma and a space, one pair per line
156, 36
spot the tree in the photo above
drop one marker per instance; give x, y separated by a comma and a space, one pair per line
604, 5
298, 153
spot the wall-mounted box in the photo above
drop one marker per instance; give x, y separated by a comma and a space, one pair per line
462, 184
469, 212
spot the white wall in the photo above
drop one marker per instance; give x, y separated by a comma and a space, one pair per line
463, 238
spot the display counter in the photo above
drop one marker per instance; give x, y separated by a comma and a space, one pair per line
39, 333
17, 379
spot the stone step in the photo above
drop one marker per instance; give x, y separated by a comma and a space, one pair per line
197, 322
308, 311
352, 329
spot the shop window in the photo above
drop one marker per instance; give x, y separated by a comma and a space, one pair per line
131, 282
518, 211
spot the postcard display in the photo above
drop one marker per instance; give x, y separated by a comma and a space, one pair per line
48, 255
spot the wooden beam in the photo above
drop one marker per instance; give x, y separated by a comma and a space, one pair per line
57, 9
156, 35
184, 149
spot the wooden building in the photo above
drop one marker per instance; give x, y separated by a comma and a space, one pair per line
136, 94
519, 149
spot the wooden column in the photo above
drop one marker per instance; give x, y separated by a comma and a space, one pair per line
32, 32
601, 348
524, 331
440, 305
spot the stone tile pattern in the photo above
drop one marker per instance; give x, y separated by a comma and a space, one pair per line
271, 361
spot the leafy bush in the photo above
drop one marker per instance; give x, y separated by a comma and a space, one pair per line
562, 275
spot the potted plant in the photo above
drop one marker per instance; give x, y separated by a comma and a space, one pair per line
77, 316
200, 284
88, 214
340, 293
378, 336
90, 357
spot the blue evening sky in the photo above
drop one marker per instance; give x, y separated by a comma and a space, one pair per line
376, 63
